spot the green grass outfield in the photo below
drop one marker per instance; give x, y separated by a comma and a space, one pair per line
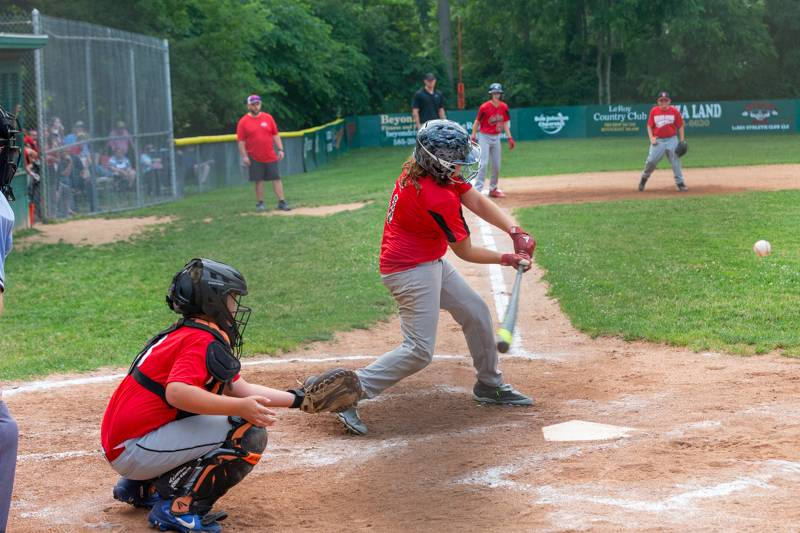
78, 308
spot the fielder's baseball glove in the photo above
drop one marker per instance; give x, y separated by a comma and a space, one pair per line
682, 148
333, 390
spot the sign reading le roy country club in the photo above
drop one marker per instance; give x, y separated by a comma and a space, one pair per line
529, 123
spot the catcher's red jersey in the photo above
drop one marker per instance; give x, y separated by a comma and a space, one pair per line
419, 224
133, 411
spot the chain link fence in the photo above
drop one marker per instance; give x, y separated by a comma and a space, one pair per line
96, 108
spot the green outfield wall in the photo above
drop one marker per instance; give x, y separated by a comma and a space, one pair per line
534, 123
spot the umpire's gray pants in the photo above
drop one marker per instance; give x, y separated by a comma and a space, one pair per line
171, 445
9, 437
664, 146
490, 148
420, 292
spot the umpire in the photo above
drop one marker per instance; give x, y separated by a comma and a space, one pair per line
428, 103
9, 433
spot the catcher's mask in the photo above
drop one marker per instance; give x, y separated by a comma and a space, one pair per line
443, 146
9, 151
203, 287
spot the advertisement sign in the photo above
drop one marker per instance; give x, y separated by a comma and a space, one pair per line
774, 116
617, 120
550, 122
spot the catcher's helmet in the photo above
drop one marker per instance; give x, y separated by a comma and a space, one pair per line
441, 146
9, 151
202, 287
496, 88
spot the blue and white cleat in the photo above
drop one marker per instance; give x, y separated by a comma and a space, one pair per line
137, 493
161, 518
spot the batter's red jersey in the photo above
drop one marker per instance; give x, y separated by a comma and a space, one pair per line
665, 123
491, 117
134, 411
419, 224
257, 133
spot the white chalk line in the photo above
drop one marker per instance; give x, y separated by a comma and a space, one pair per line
47, 385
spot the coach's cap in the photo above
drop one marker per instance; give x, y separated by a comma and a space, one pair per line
430, 76
253, 99
663, 95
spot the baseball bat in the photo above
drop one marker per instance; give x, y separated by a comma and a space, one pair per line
506, 330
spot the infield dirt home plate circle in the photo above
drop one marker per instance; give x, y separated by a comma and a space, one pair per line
578, 430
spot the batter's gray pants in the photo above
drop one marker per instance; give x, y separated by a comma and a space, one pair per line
490, 147
656, 153
171, 445
420, 292
9, 438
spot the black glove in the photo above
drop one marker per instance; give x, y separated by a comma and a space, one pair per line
682, 148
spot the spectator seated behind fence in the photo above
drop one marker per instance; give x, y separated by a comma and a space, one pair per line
119, 139
121, 168
33, 170
77, 145
150, 169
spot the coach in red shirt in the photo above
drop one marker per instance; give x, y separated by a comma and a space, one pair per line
664, 127
258, 138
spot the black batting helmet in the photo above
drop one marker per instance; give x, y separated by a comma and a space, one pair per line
9, 151
442, 145
202, 287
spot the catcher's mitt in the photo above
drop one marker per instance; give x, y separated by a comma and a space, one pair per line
682, 148
333, 390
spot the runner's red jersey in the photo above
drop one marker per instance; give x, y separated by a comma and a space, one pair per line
257, 133
491, 117
134, 411
665, 123
420, 223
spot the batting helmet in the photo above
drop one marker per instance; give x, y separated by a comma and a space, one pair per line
202, 287
9, 151
443, 145
496, 88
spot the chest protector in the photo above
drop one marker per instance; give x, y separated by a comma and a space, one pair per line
220, 363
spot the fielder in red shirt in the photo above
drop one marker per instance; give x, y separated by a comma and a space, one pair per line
492, 121
424, 218
665, 128
258, 138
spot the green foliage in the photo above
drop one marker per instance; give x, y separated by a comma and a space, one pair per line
678, 271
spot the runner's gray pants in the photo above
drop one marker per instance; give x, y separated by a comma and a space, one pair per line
490, 148
420, 292
664, 146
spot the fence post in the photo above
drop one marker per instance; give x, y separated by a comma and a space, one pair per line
92, 132
38, 61
171, 134
135, 112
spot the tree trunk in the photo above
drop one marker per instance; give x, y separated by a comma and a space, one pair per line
600, 84
446, 38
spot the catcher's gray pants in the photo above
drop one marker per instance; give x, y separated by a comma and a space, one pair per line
490, 147
171, 445
9, 437
420, 292
664, 146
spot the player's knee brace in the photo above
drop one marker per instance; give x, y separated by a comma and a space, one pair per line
196, 485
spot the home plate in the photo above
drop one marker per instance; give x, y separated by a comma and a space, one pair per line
582, 430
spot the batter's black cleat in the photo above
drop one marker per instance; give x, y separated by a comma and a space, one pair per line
682, 187
503, 395
352, 422
642, 183
137, 493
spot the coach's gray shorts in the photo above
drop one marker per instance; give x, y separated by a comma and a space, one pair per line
171, 445
264, 171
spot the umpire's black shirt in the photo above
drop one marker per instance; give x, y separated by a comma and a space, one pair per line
428, 104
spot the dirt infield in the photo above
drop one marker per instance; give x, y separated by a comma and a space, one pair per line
714, 445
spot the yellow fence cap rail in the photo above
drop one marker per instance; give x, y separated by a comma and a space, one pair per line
231, 137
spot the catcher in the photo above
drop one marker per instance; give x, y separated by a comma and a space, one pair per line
183, 426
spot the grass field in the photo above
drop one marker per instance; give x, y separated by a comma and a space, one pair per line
77, 308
